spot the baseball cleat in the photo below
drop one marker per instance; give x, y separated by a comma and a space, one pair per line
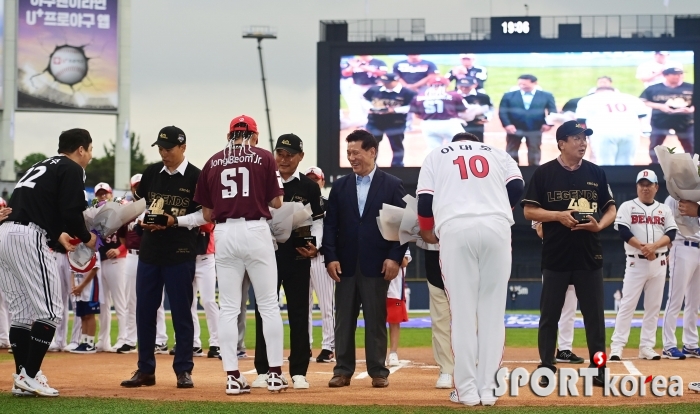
71, 346
5, 345
276, 382
325, 356
162, 349
444, 381
242, 355
568, 356
471, 402
648, 353
53, 348
236, 386
300, 382
260, 381
615, 354
37, 385
672, 353
691, 352
17, 392
84, 348
393, 360
197, 352
694, 386
126, 349
214, 352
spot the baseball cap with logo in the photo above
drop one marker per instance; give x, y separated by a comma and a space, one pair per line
571, 128
290, 143
673, 71
647, 175
467, 81
103, 186
243, 123
169, 137
315, 171
389, 77
135, 179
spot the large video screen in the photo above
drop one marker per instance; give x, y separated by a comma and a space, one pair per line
632, 100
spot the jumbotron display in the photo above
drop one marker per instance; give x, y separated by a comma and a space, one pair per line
633, 101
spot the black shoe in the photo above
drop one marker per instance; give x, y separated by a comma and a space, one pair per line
126, 349
598, 381
184, 380
568, 356
140, 379
325, 356
214, 352
172, 351
544, 382
197, 352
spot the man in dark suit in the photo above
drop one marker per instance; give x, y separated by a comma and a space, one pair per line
522, 114
350, 233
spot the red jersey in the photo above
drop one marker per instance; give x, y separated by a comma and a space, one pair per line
239, 184
438, 105
133, 240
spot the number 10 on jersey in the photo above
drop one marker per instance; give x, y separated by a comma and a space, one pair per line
478, 165
231, 186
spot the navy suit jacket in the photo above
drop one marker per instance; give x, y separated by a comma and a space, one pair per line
347, 235
512, 110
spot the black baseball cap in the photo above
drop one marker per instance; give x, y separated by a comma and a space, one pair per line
389, 77
169, 137
467, 81
672, 71
290, 143
571, 128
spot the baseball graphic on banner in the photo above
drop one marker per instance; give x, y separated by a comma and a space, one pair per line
68, 64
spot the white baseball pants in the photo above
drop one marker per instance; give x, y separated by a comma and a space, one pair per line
245, 289
566, 320
132, 263
476, 261
161, 330
438, 132
325, 292
205, 283
65, 275
246, 246
113, 292
649, 277
684, 282
440, 324
4, 321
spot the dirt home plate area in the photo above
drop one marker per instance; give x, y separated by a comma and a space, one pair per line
411, 384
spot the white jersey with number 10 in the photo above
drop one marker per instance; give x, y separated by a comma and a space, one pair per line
468, 179
611, 113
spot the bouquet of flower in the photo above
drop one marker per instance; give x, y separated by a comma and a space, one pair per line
400, 224
290, 216
104, 219
682, 176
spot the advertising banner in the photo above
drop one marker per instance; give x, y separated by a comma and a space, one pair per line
67, 55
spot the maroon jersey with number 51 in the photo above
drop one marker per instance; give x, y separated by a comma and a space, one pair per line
239, 184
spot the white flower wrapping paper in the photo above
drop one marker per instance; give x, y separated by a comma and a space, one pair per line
105, 221
400, 224
682, 183
290, 216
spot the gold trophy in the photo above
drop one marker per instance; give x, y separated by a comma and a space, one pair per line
156, 214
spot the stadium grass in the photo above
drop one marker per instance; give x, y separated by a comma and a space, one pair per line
75, 405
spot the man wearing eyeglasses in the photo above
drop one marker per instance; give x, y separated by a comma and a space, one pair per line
565, 194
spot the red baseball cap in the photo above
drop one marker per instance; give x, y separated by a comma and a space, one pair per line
243, 123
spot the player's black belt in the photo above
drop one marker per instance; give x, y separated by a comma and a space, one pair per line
22, 223
644, 257
691, 244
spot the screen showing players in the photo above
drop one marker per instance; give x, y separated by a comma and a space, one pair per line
631, 100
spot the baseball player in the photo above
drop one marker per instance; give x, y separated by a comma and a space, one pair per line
85, 287
468, 69
205, 283
396, 311
66, 277
466, 192
365, 71
131, 240
112, 283
673, 108
440, 111
648, 228
614, 116
390, 104
324, 287
684, 282
566, 320
479, 106
48, 199
4, 315
651, 72
414, 72
235, 188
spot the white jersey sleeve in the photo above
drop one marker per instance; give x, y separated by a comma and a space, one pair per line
425, 177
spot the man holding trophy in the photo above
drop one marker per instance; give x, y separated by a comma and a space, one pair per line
167, 255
